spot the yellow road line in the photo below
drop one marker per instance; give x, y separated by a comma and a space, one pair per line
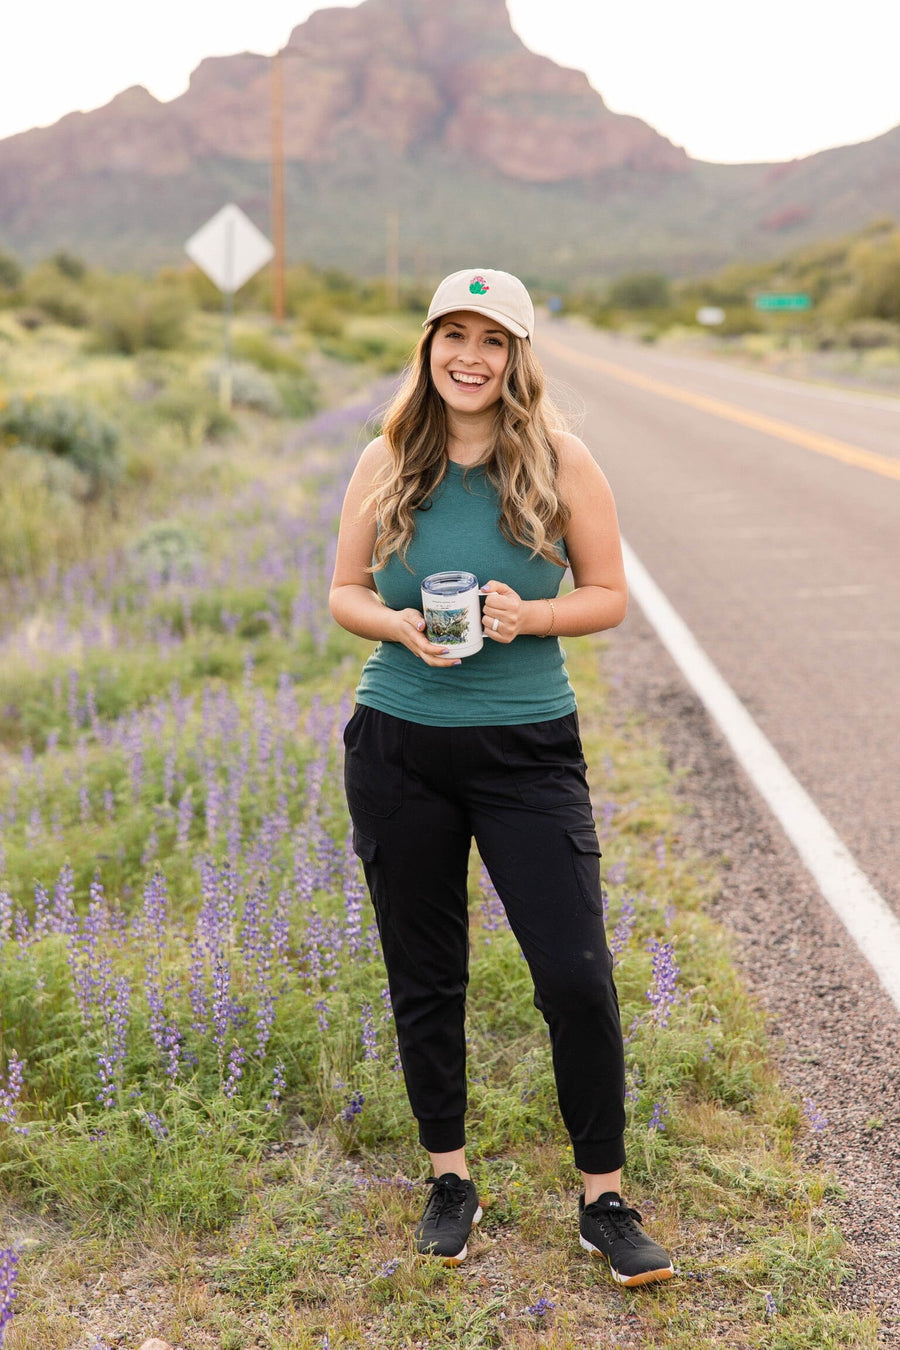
717, 407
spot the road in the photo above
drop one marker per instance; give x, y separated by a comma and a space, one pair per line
768, 512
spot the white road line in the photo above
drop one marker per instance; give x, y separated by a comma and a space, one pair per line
870, 922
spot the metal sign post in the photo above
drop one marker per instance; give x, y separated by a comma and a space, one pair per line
230, 250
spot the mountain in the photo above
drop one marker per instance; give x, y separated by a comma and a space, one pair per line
440, 115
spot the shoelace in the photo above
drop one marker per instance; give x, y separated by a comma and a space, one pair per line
446, 1200
621, 1222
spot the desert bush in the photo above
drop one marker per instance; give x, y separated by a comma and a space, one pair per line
322, 319
57, 295
166, 551
67, 429
259, 350
640, 290
28, 464
299, 395
867, 334
250, 388
195, 410
10, 272
39, 515
131, 314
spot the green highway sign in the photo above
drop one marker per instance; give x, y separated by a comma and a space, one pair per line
783, 301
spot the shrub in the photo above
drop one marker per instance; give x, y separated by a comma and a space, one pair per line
56, 295
166, 551
133, 314
196, 412
10, 272
250, 388
866, 334
65, 428
68, 265
640, 290
261, 351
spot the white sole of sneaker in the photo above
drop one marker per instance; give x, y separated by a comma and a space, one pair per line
458, 1259
629, 1281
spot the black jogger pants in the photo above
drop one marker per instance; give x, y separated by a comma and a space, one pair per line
417, 796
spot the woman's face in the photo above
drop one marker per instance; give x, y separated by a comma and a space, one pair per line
469, 353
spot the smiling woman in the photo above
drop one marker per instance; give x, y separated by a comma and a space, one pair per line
473, 472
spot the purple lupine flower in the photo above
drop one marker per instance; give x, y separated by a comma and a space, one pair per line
157, 1124
64, 919
84, 954
608, 812
114, 1009
817, 1121
493, 914
369, 1034
355, 1103
354, 898
185, 816
615, 875
661, 850
663, 992
6, 915
11, 1094
541, 1308
771, 1306
278, 1082
9, 1270
322, 1014
389, 1268
660, 1111
236, 1058
73, 697
168, 782
624, 928
42, 922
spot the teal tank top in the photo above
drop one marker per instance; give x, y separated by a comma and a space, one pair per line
505, 683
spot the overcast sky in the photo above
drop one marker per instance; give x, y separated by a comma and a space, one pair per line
728, 80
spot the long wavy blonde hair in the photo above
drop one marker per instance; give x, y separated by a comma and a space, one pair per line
522, 462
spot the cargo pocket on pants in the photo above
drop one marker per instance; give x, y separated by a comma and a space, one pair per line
364, 847
586, 857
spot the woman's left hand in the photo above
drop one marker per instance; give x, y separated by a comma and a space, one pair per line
503, 612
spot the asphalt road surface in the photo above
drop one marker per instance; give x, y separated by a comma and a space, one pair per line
768, 512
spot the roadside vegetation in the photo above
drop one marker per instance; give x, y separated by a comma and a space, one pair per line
203, 1128
851, 328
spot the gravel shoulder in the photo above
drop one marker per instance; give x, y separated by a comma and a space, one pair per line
834, 1033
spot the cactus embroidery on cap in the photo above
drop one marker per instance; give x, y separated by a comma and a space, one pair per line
478, 286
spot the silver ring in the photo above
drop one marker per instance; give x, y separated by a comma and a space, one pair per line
495, 625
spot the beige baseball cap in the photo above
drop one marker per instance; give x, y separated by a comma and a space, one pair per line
499, 295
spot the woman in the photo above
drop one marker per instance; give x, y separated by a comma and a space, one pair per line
472, 473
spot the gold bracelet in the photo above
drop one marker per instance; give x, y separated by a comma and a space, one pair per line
552, 617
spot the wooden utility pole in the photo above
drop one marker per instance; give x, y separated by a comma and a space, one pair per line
278, 187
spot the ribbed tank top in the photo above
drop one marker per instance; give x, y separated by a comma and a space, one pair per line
505, 683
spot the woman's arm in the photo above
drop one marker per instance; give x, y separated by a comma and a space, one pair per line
353, 599
600, 597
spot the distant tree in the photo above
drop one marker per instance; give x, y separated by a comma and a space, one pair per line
878, 288
640, 290
68, 265
10, 272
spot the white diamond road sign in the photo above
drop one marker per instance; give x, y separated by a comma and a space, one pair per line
229, 248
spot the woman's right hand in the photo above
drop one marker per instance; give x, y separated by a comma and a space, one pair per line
410, 628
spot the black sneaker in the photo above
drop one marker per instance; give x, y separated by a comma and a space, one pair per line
611, 1230
445, 1225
